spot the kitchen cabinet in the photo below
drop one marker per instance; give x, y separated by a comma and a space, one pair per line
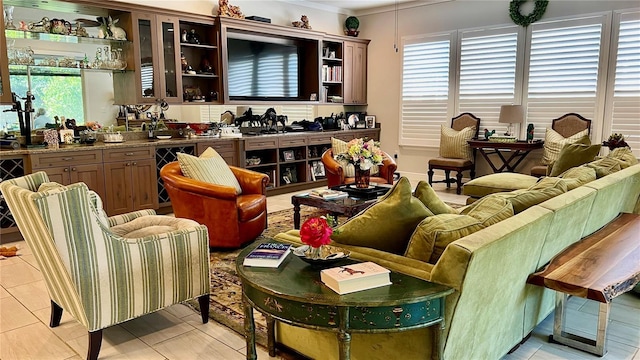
130, 175
156, 58
5, 86
355, 72
227, 148
11, 167
70, 167
164, 155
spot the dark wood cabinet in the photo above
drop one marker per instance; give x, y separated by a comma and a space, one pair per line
130, 177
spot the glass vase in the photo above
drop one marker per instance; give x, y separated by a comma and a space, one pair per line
362, 178
314, 253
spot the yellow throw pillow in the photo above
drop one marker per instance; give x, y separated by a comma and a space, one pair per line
386, 225
338, 146
425, 193
578, 176
434, 233
554, 142
454, 145
574, 155
210, 167
624, 155
605, 166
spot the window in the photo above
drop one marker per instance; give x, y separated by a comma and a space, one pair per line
425, 88
565, 71
623, 98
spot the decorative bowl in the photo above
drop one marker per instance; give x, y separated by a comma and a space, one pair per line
329, 255
199, 128
175, 125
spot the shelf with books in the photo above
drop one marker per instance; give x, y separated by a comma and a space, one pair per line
331, 71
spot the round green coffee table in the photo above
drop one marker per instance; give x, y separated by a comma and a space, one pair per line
294, 295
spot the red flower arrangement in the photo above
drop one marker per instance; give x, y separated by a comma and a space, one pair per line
316, 232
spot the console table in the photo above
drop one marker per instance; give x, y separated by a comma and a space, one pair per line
294, 295
519, 150
598, 267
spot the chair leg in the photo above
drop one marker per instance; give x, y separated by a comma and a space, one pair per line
204, 308
459, 182
430, 174
447, 178
95, 342
473, 173
56, 314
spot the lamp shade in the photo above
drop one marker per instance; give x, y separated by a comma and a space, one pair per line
511, 114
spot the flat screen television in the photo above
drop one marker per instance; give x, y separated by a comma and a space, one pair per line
264, 69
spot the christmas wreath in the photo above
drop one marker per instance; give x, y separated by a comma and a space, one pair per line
522, 20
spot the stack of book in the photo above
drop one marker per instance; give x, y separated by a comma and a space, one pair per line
356, 277
267, 255
328, 194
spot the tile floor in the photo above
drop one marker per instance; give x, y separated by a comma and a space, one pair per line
177, 332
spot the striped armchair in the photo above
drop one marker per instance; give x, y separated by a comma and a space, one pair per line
101, 278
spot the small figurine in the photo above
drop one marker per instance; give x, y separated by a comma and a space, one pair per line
79, 30
23, 26
530, 129
205, 66
193, 37
224, 9
183, 62
117, 33
487, 133
303, 23
184, 36
41, 26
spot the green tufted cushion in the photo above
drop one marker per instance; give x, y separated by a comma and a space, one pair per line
624, 155
578, 176
210, 167
425, 193
434, 233
605, 166
489, 210
574, 155
544, 190
554, 142
386, 225
152, 225
453, 144
500, 182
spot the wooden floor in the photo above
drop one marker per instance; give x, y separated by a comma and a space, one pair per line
177, 332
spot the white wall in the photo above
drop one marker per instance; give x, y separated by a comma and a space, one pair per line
385, 65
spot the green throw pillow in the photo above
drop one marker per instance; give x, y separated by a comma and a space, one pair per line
554, 142
210, 167
574, 155
425, 193
454, 145
489, 210
578, 176
386, 225
624, 155
434, 233
544, 190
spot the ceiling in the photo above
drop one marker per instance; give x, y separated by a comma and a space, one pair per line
360, 7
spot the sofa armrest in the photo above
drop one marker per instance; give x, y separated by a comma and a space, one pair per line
388, 168
125, 218
251, 182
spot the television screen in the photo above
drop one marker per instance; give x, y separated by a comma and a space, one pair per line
261, 70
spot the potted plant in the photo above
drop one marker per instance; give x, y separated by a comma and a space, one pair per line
352, 24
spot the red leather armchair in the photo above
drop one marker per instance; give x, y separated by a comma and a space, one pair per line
232, 220
336, 175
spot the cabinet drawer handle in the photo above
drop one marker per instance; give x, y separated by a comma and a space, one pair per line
128, 164
134, 163
129, 154
66, 169
67, 158
73, 169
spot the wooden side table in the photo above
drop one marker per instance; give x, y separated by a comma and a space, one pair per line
294, 295
598, 267
519, 150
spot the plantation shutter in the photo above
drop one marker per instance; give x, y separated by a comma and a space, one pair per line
564, 71
488, 74
426, 90
297, 112
623, 100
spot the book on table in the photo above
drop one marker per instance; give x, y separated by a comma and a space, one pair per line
267, 255
355, 277
328, 194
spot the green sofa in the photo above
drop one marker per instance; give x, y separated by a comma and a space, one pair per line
492, 308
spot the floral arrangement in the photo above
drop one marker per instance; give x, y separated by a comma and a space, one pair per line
615, 141
363, 154
316, 232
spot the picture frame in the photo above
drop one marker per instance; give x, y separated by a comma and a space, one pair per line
353, 119
317, 168
288, 155
370, 121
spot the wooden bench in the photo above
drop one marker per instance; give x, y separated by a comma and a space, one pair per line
599, 267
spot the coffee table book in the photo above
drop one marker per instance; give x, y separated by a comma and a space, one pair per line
328, 194
355, 277
267, 255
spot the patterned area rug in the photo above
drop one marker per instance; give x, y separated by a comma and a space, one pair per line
226, 289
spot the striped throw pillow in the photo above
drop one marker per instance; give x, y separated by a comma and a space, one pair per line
453, 144
554, 142
209, 167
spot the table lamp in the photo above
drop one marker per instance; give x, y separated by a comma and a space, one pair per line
511, 114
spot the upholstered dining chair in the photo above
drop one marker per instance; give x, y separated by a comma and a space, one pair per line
565, 127
455, 153
337, 174
103, 270
233, 219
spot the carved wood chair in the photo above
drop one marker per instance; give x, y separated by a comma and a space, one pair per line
456, 164
566, 125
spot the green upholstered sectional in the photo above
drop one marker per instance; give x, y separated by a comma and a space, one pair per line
492, 308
